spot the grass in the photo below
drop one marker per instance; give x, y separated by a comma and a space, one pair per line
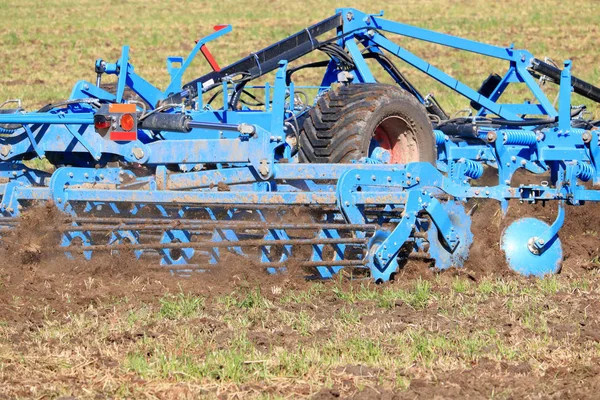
60, 41
180, 306
208, 345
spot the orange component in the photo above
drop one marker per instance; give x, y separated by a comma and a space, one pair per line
101, 123
123, 136
209, 57
127, 122
121, 108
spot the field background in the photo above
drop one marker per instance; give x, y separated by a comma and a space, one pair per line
47, 46
116, 330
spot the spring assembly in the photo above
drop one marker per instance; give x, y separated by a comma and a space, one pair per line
379, 156
519, 137
471, 168
367, 160
6, 131
585, 171
440, 137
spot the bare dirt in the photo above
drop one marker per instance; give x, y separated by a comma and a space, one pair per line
39, 286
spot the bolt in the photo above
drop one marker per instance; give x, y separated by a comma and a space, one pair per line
487, 192
367, 20
523, 58
272, 138
247, 129
86, 175
477, 192
86, 86
264, 167
491, 137
513, 159
347, 204
70, 174
101, 176
279, 138
349, 16
523, 162
373, 177
5, 150
371, 32
389, 178
59, 200
408, 182
586, 137
357, 177
14, 173
408, 175
138, 153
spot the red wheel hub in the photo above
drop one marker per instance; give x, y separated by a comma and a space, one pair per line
395, 135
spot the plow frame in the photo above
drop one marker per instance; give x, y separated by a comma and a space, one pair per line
252, 156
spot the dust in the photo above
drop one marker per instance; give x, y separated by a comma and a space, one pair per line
579, 235
37, 274
37, 277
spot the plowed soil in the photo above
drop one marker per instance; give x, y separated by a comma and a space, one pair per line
72, 328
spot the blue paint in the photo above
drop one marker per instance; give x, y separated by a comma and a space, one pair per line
249, 150
520, 257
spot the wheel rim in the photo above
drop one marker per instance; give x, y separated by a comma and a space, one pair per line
395, 135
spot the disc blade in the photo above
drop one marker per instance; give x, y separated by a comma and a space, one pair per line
520, 258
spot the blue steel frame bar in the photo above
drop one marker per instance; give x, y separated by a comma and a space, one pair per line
366, 27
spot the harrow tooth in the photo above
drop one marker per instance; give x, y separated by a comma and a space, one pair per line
240, 243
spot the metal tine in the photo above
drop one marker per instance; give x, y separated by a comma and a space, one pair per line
211, 244
308, 264
215, 224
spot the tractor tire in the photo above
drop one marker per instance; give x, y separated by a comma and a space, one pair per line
341, 127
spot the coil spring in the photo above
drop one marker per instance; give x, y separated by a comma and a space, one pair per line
6, 131
518, 137
472, 169
440, 137
584, 171
367, 160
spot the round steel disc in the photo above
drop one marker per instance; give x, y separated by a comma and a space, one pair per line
520, 259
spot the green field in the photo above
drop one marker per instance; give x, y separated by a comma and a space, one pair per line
47, 47
116, 330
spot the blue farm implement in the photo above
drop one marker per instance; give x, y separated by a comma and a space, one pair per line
362, 176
